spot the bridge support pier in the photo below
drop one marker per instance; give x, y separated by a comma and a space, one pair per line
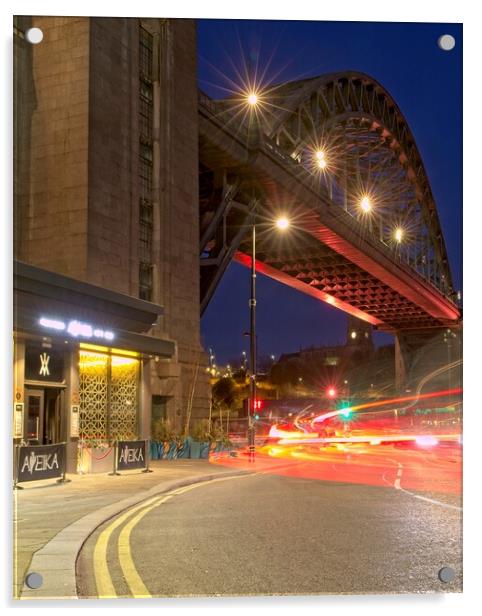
430, 355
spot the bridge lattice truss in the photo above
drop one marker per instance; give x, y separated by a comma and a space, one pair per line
387, 265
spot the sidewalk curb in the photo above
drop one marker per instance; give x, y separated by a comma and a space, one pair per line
56, 560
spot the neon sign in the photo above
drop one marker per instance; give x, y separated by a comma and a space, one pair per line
77, 328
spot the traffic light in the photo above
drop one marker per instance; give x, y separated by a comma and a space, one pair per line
331, 392
345, 411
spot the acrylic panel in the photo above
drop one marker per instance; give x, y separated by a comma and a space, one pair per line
237, 308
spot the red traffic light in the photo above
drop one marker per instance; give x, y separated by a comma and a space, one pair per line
331, 392
258, 404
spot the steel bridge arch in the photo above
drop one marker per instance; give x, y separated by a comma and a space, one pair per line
306, 108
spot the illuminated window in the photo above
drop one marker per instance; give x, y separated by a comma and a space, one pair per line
108, 391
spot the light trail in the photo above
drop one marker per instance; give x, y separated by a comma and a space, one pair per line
377, 403
423, 440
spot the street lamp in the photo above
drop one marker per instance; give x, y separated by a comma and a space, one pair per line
252, 99
281, 223
320, 158
366, 204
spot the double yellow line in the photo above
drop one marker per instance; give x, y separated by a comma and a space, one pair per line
103, 579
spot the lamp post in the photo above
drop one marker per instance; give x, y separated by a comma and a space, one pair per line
282, 224
252, 347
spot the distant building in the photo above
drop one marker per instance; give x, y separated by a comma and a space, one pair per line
359, 333
358, 338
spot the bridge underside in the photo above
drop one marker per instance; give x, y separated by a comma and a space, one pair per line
332, 278
312, 259
250, 173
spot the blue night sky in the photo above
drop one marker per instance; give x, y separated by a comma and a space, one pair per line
426, 83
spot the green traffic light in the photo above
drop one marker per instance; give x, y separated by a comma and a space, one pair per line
345, 410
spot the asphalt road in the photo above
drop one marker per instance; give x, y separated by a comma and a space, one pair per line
269, 534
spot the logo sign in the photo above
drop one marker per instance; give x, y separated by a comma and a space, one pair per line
42, 364
41, 462
77, 329
131, 455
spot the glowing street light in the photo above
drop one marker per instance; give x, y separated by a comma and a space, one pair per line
321, 159
399, 234
252, 99
282, 223
366, 204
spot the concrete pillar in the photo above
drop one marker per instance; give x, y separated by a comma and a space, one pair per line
145, 400
423, 357
69, 399
401, 360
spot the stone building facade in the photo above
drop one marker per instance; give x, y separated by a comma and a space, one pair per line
106, 175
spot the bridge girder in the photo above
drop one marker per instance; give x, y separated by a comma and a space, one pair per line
270, 157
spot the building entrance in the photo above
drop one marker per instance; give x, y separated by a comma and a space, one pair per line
44, 421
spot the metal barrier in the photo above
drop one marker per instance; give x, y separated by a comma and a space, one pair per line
38, 462
131, 455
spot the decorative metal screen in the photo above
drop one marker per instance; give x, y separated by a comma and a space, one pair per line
124, 398
108, 387
93, 391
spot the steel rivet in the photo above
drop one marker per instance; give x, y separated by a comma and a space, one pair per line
34, 580
446, 574
446, 42
34, 35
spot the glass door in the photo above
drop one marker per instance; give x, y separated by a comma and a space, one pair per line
51, 427
35, 413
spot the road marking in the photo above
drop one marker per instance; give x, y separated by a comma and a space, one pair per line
103, 580
132, 577
424, 498
432, 500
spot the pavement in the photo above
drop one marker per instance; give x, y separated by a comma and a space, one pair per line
52, 521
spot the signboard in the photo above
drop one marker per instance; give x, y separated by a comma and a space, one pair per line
74, 421
41, 462
131, 455
18, 420
43, 364
76, 328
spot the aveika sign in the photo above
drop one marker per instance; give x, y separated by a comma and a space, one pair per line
131, 455
77, 329
40, 462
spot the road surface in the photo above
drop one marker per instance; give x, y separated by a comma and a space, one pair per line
295, 526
